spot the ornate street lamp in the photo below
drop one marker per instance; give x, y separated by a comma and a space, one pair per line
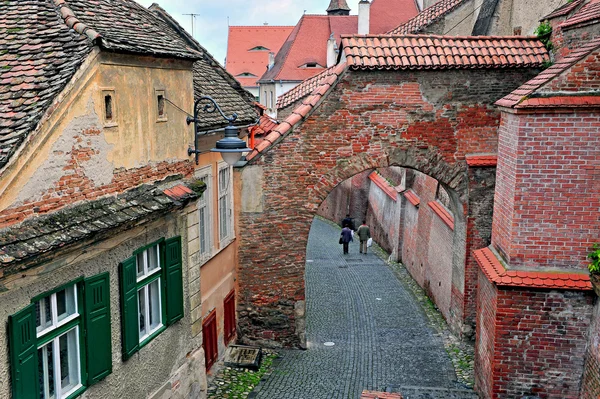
231, 146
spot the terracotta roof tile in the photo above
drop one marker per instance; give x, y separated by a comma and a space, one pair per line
442, 213
474, 160
412, 197
426, 17
497, 273
243, 50
305, 88
265, 125
383, 184
526, 90
589, 13
458, 52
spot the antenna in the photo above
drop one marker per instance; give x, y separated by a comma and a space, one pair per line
193, 16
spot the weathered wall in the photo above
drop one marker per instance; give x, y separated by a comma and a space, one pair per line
383, 219
79, 155
349, 197
423, 120
591, 377
180, 370
487, 295
547, 192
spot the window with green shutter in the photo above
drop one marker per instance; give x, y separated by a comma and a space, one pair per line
60, 344
151, 293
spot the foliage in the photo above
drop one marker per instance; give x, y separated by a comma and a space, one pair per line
594, 256
239, 383
543, 32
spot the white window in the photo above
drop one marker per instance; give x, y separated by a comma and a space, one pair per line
225, 212
149, 292
204, 215
57, 330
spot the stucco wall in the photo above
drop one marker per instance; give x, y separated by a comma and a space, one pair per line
156, 367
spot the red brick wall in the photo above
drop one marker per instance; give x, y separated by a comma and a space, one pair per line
582, 76
591, 376
423, 120
547, 193
485, 336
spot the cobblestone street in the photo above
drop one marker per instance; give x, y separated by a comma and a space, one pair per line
382, 338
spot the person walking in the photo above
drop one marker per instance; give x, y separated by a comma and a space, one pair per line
345, 238
364, 233
348, 222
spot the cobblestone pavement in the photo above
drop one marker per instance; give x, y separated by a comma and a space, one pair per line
382, 337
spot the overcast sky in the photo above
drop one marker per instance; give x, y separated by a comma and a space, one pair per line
210, 26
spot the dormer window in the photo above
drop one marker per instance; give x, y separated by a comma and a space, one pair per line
311, 65
246, 75
259, 48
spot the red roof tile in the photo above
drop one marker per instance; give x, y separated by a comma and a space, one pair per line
525, 91
442, 213
442, 52
412, 197
426, 17
561, 101
178, 192
589, 13
304, 88
241, 58
383, 184
497, 273
474, 160
387, 14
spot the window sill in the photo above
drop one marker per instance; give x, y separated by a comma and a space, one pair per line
156, 333
206, 258
78, 392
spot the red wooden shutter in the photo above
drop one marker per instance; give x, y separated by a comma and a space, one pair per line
209, 339
229, 319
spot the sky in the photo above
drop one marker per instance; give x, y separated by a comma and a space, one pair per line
210, 25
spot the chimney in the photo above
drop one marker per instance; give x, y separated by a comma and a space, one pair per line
271, 60
364, 11
331, 51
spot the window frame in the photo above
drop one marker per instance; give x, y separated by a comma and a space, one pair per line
205, 202
227, 198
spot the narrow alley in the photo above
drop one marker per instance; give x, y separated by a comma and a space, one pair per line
381, 337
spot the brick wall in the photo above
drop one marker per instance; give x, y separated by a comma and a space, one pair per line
487, 295
547, 190
423, 120
591, 377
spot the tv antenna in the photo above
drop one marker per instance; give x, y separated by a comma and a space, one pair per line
193, 16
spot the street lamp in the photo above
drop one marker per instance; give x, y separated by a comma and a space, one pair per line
231, 146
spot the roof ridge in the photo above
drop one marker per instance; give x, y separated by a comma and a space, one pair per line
431, 14
258, 26
449, 37
74, 23
296, 29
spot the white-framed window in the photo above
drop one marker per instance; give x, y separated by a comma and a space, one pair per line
204, 212
57, 330
225, 203
149, 292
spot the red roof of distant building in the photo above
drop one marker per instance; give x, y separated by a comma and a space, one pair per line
498, 274
442, 52
522, 96
387, 14
588, 14
426, 17
241, 58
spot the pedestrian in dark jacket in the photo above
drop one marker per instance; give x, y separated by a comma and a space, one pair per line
346, 237
348, 222
364, 233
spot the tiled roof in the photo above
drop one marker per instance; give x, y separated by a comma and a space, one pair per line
520, 97
211, 79
304, 88
498, 274
442, 52
299, 113
589, 13
265, 125
241, 58
427, 17
383, 184
39, 54
388, 14
126, 26
39, 237
338, 5
412, 197
308, 43
565, 9
474, 160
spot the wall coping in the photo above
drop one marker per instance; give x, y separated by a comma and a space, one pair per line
412, 197
384, 185
443, 213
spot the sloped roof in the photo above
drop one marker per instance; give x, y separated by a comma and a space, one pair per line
388, 14
427, 17
588, 14
304, 88
498, 274
211, 79
126, 26
335, 5
565, 9
442, 52
34, 238
519, 97
308, 43
39, 54
240, 42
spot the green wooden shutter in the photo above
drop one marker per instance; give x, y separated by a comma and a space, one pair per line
24, 354
129, 308
97, 324
174, 279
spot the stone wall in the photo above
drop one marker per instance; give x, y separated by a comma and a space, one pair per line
591, 377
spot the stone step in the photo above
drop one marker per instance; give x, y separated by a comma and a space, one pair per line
413, 392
